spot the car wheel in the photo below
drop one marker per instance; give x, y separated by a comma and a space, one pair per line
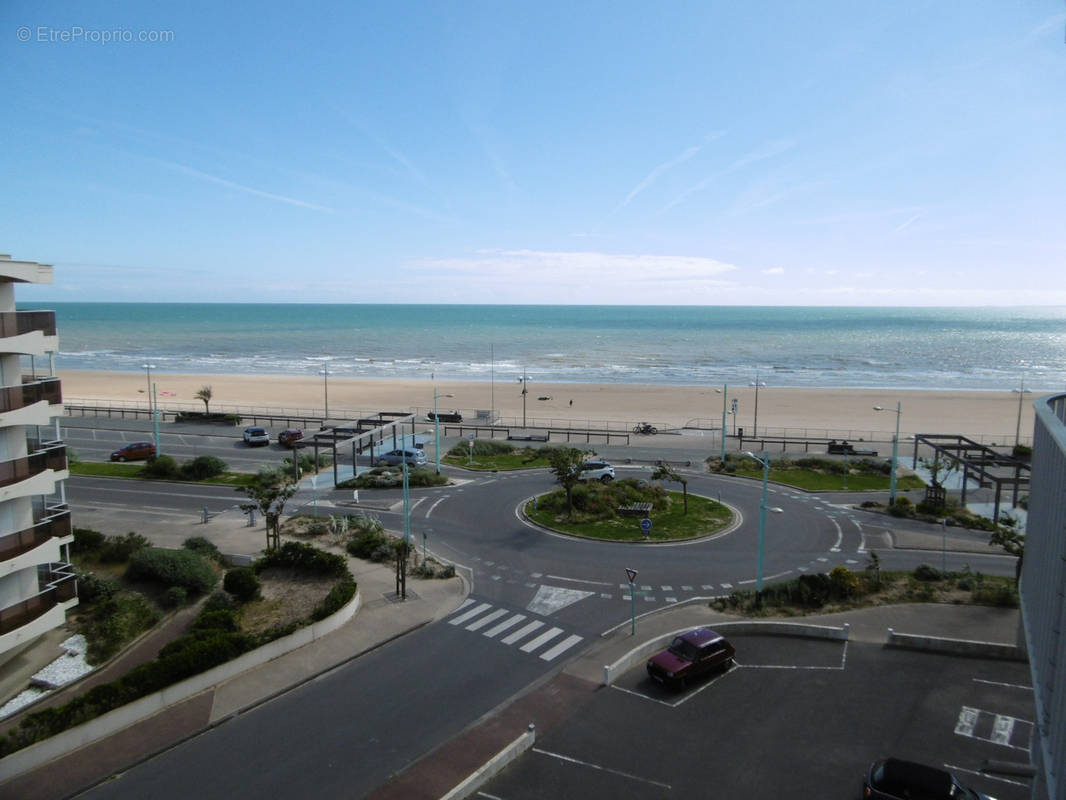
121, 458
605, 479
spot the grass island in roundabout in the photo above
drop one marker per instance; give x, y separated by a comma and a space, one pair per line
597, 512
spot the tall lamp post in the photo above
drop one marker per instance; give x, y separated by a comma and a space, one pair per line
895, 453
525, 391
755, 424
153, 407
1022, 392
436, 425
725, 400
325, 373
763, 508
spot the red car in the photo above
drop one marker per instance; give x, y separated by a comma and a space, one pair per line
691, 655
290, 436
134, 451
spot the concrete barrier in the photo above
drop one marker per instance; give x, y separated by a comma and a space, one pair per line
641, 652
490, 768
113, 721
956, 647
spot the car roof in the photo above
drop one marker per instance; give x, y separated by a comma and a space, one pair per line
936, 782
701, 636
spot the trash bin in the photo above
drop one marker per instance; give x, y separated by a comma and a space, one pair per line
740, 433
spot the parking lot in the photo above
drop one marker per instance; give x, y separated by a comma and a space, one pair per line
794, 718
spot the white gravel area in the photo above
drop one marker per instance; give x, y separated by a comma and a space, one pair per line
66, 669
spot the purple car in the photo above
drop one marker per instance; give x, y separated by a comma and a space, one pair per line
691, 655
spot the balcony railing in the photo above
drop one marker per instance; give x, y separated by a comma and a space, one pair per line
13, 398
49, 455
55, 526
16, 323
60, 584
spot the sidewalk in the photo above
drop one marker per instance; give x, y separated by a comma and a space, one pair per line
382, 617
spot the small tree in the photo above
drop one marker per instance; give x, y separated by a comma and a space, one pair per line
664, 473
565, 465
205, 394
269, 490
1012, 543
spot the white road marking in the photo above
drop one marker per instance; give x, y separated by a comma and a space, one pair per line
1007, 685
686, 588
550, 599
510, 622
670, 599
668, 588
953, 768
579, 580
840, 537
429, 511
724, 586
1002, 729
966, 722
466, 603
477, 625
601, 769
470, 614
562, 647
543, 638
522, 632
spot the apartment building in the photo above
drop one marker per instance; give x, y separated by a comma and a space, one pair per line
37, 583
1043, 596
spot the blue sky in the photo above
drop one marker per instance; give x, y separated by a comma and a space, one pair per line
822, 153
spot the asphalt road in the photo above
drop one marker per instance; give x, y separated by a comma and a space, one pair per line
347, 732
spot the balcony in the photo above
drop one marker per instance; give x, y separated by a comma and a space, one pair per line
54, 526
49, 455
60, 585
17, 323
13, 398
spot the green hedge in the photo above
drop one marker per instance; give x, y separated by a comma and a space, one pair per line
304, 557
338, 597
171, 568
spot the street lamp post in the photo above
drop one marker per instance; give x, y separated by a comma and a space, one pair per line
436, 425
763, 508
153, 406
148, 371
325, 373
1022, 392
525, 391
725, 400
755, 423
895, 453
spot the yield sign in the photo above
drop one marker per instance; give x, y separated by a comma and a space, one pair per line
631, 574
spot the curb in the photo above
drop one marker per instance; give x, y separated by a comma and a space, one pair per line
492, 767
956, 647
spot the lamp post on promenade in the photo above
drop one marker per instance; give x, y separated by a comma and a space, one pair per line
1022, 392
755, 424
725, 400
325, 373
895, 453
525, 391
153, 406
765, 461
436, 425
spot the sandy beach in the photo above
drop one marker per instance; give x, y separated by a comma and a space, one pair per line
989, 416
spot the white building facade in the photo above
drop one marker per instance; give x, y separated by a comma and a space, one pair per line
37, 583
1043, 596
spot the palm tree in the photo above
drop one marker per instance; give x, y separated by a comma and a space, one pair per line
205, 395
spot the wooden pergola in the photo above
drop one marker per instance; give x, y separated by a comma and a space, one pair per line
987, 466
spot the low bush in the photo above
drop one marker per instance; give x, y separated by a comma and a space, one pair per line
339, 595
392, 477
114, 621
222, 619
242, 583
86, 540
927, 572
204, 548
303, 557
482, 447
172, 568
903, 507
119, 549
163, 467
367, 543
203, 467
93, 588
175, 597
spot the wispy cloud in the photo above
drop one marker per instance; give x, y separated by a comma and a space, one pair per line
208, 178
771, 150
666, 166
774, 271
906, 224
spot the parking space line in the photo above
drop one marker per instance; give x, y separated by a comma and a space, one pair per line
987, 775
581, 763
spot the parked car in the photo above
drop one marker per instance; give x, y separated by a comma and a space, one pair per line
445, 416
255, 436
846, 449
393, 458
134, 451
691, 655
290, 436
596, 471
895, 779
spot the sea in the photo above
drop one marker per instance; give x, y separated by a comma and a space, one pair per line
902, 348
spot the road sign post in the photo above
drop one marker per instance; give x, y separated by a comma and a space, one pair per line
645, 527
632, 575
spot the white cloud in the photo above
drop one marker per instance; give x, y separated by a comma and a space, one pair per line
203, 176
774, 148
653, 176
910, 220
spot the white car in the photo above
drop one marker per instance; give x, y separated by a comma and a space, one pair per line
596, 471
256, 436
393, 458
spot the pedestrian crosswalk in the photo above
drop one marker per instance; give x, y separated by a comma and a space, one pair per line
509, 628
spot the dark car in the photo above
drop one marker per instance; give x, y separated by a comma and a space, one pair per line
689, 656
134, 451
290, 436
895, 779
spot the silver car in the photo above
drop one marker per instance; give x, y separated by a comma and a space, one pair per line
255, 436
596, 471
413, 457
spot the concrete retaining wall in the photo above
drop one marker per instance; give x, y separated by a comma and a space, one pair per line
107, 724
956, 647
652, 646
490, 768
